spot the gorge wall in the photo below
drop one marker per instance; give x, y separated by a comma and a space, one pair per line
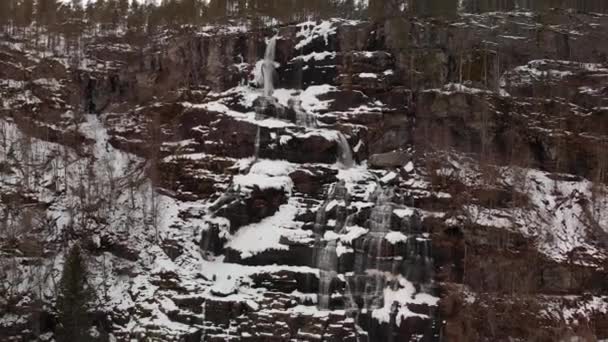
475, 208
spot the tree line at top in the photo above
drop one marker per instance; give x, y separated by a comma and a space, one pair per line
77, 15
148, 15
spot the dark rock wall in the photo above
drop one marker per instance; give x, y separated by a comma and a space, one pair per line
499, 89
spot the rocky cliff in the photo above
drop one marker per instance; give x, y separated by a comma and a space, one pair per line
411, 179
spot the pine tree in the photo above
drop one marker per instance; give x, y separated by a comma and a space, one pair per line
111, 14
123, 9
73, 300
98, 12
46, 12
136, 17
4, 10
217, 9
26, 13
376, 9
190, 11
77, 5
152, 14
89, 12
73, 24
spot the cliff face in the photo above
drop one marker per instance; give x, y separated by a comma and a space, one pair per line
412, 180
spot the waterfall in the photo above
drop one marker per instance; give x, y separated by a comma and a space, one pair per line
303, 118
345, 154
326, 257
328, 266
257, 144
379, 224
268, 67
322, 257
320, 215
380, 217
351, 307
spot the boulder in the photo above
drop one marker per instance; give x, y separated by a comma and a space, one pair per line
269, 107
393, 159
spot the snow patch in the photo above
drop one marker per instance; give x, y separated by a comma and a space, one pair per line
400, 297
395, 237
310, 30
266, 235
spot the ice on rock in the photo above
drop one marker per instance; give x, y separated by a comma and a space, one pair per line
345, 156
262, 181
367, 75
401, 296
310, 100
389, 177
395, 237
268, 67
311, 30
266, 235
409, 167
224, 287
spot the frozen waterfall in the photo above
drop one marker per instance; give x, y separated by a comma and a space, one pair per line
303, 118
345, 154
268, 67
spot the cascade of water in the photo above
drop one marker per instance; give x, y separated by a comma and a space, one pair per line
349, 221
268, 67
326, 257
337, 191
380, 216
328, 266
320, 217
351, 304
345, 154
322, 257
257, 144
303, 118
379, 224
379, 275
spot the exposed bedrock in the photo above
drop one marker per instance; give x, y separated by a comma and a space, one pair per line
414, 179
